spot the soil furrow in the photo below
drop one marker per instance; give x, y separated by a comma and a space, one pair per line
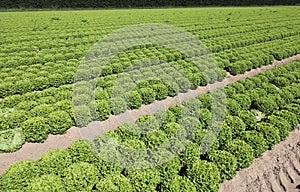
278, 168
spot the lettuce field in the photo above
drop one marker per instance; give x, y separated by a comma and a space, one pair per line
51, 60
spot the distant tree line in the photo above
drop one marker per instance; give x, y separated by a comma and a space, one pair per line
136, 3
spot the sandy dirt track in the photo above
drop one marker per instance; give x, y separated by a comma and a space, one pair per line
278, 170
35, 150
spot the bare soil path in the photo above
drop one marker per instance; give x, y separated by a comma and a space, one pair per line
277, 170
35, 150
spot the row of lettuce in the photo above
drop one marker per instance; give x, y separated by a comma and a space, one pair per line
260, 112
36, 70
23, 79
50, 111
49, 42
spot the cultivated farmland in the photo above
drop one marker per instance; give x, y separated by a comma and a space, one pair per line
49, 61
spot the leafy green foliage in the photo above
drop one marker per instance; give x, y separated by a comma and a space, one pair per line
101, 95
225, 135
256, 94
270, 133
134, 4
147, 123
102, 109
143, 180
226, 163
59, 122
269, 88
49, 182
164, 117
289, 116
148, 95
135, 100
205, 100
243, 100
83, 115
204, 175
81, 151
79, 167
41, 110
236, 124
242, 151
11, 140
248, 118
281, 124
178, 183
54, 162
205, 116
190, 154
183, 83
154, 138
294, 108
36, 129
26, 105
16, 117
118, 105
232, 106
173, 88
161, 91
170, 169
256, 140
114, 183
80, 176
265, 105
18, 175
176, 109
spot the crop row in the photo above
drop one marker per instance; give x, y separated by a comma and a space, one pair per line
135, 91
22, 79
46, 39
71, 30
65, 42
260, 112
46, 50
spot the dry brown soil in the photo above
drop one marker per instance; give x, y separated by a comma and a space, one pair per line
278, 170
